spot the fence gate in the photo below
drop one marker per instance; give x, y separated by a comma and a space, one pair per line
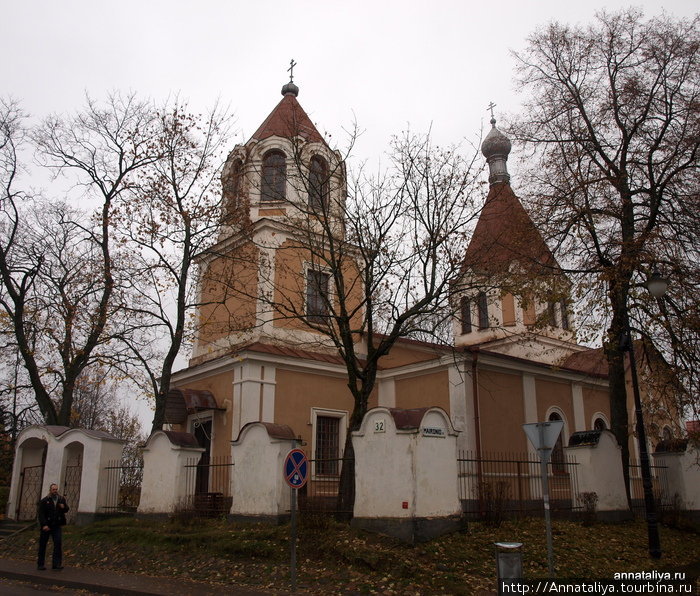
29, 492
213, 497
71, 490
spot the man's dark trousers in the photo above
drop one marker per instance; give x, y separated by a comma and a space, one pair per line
55, 534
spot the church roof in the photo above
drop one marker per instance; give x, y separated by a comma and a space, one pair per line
288, 120
505, 234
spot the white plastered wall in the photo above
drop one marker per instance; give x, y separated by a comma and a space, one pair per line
406, 473
164, 485
257, 474
600, 471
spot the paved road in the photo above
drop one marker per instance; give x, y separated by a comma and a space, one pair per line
72, 580
19, 588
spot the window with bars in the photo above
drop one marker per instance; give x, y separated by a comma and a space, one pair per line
317, 292
327, 445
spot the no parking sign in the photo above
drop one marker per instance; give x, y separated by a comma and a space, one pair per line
296, 468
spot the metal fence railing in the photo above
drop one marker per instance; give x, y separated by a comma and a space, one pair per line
320, 494
497, 485
659, 484
123, 487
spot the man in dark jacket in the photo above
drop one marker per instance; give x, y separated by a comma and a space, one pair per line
51, 512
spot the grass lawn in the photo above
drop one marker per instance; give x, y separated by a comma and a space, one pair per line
332, 559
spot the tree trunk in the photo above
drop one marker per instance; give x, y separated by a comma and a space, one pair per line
617, 385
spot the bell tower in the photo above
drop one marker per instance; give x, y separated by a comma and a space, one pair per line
277, 189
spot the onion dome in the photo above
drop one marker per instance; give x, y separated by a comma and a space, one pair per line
496, 147
290, 89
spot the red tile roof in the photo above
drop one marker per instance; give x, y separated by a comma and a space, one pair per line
288, 120
279, 350
592, 362
505, 233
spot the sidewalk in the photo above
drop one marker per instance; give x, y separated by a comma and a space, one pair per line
111, 582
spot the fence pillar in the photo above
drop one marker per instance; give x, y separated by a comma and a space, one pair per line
259, 488
682, 476
406, 473
599, 460
164, 487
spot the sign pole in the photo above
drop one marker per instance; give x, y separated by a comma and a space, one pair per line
293, 554
296, 473
544, 459
543, 436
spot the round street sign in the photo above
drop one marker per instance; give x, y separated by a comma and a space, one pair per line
296, 468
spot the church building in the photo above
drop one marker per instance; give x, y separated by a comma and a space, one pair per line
514, 357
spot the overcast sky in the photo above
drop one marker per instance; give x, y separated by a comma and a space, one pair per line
384, 64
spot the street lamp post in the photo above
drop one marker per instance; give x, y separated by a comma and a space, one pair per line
657, 286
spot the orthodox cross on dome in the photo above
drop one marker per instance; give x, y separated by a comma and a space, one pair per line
490, 107
292, 64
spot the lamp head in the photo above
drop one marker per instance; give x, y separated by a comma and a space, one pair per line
657, 285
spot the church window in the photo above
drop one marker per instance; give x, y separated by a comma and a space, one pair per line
274, 177
329, 432
327, 445
317, 295
599, 424
318, 184
483, 308
551, 314
667, 434
465, 306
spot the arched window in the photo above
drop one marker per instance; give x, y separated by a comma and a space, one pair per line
274, 177
558, 463
318, 183
599, 424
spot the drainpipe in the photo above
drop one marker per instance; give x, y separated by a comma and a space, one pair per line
477, 427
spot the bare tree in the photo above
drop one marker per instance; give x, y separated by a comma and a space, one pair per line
612, 119
382, 254
58, 280
172, 216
